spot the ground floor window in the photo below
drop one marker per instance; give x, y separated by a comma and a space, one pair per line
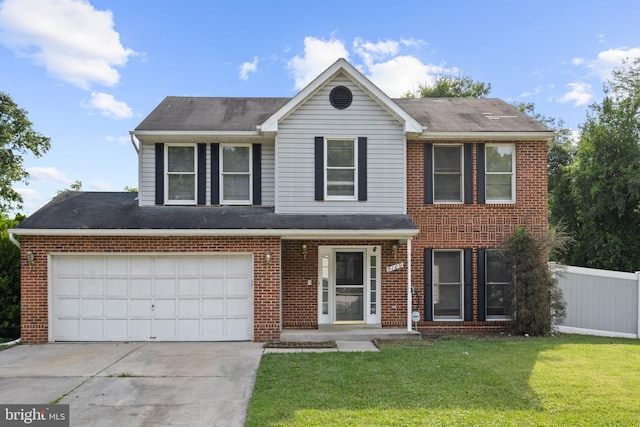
499, 287
447, 284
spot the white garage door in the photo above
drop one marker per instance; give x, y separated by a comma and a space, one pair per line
162, 298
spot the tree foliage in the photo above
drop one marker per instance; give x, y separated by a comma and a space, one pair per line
597, 192
9, 280
452, 87
537, 299
17, 138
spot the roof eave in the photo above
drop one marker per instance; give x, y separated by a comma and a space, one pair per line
488, 136
321, 234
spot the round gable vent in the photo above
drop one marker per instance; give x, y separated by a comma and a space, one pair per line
340, 97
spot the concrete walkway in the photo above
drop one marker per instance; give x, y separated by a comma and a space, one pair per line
343, 346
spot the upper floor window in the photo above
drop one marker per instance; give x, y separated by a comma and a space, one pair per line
500, 173
447, 173
341, 171
499, 292
235, 177
180, 177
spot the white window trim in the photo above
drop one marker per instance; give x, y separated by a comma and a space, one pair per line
168, 201
433, 178
513, 175
355, 168
224, 201
487, 283
433, 281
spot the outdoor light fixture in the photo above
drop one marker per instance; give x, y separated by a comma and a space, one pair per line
267, 256
30, 257
394, 250
304, 250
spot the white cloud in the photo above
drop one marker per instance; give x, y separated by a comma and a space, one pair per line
318, 55
101, 186
534, 92
580, 94
48, 174
607, 60
403, 73
109, 106
120, 140
577, 61
70, 38
383, 63
248, 67
375, 52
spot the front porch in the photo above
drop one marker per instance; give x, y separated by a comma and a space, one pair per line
346, 333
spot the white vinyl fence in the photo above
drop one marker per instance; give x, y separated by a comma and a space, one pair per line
600, 302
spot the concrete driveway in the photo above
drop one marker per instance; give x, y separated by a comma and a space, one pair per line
135, 384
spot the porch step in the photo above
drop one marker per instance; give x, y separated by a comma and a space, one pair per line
345, 333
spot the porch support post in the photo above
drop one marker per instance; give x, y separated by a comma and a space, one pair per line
409, 293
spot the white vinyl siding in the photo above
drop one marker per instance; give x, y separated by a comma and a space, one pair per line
364, 118
147, 184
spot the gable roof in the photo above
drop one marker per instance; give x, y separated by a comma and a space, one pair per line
344, 67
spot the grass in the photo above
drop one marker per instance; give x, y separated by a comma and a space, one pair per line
565, 380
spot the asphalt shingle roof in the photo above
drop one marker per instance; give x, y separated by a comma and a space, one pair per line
176, 113
120, 211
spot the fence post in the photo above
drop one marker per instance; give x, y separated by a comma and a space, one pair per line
638, 306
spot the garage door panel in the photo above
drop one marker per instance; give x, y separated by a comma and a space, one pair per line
141, 287
165, 287
162, 297
117, 308
92, 308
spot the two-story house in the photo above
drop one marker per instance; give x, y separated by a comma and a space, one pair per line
339, 206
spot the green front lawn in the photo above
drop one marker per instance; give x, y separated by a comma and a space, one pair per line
566, 380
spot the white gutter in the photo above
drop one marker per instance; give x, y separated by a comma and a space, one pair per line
13, 239
488, 136
283, 233
195, 133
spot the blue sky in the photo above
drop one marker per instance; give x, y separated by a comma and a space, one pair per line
89, 71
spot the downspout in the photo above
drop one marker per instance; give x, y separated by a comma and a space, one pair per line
13, 239
409, 293
133, 142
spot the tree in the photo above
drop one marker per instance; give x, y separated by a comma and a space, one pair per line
602, 203
537, 299
17, 138
74, 186
452, 87
9, 280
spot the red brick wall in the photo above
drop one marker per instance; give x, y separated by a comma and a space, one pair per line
266, 291
300, 301
459, 226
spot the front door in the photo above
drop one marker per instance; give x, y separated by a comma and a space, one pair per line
349, 285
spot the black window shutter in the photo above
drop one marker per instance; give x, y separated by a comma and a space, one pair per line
159, 174
481, 175
468, 173
362, 168
319, 167
428, 173
202, 174
257, 174
482, 284
468, 285
428, 284
215, 174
